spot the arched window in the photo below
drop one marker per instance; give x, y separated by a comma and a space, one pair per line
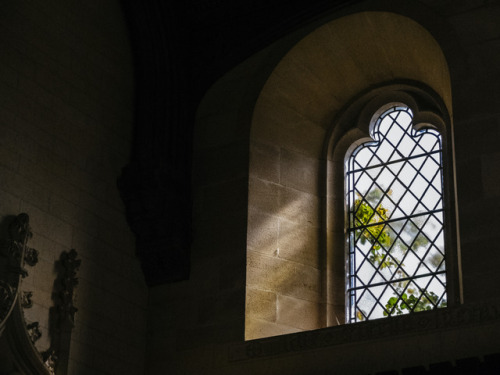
395, 219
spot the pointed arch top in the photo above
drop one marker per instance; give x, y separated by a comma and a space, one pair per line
329, 67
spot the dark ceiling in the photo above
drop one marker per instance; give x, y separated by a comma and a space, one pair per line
180, 49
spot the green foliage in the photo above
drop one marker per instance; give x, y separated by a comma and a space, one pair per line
413, 302
376, 233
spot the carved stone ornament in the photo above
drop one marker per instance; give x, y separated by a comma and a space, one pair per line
64, 312
13, 252
69, 281
50, 360
26, 301
34, 331
31, 256
7, 297
18, 336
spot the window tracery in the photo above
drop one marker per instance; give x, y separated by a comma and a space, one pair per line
395, 220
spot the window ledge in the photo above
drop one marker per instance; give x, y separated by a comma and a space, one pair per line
416, 323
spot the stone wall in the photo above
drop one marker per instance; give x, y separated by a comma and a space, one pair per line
197, 325
66, 112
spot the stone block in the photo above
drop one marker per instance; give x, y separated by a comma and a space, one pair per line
48, 225
264, 196
257, 329
299, 207
263, 231
24, 188
284, 277
261, 304
9, 204
300, 243
301, 314
301, 172
265, 162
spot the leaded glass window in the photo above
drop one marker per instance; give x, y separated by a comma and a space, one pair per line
394, 201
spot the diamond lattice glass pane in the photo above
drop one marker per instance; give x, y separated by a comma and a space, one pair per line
395, 168
417, 163
362, 247
365, 272
396, 191
383, 126
432, 228
374, 172
427, 141
365, 303
439, 242
418, 186
431, 199
433, 259
408, 203
437, 157
385, 179
407, 174
442, 279
362, 157
399, 249
421, 245
429, 169
422, 282
384, 151
387, 206
409, 232
396, 240
437, 145
406, 146
388, 267
395, 133
411, 263
436, 288
404, 120
387, 238
397, 225
375, 160
363, 184
377, 292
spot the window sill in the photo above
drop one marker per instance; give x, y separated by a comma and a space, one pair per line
441, 319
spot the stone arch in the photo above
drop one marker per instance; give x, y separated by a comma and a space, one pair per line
289, 284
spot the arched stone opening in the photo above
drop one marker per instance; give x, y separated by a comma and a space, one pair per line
293, 217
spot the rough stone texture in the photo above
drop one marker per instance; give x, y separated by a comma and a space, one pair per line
66, 96
66, 119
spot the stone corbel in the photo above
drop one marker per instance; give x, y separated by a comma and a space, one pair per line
13, 253
17, 336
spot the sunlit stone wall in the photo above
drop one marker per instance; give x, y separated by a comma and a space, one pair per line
293, 263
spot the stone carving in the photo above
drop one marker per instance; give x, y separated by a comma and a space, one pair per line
26, 301
31, 256
69, 280
63, 313
33, 330
7, 296
371, 330
14, 253
50, 360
